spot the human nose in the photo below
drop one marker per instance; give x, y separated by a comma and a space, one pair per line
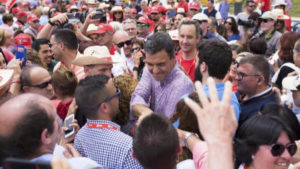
155, 69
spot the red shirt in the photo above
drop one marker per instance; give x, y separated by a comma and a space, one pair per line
266, 7
112, 50
183, 5
288, 22
188, 65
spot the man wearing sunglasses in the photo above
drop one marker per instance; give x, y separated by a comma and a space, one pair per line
202, 19
269, 33
100, 138
34, 24
253, 85
36, 79
143, 27
249, 9
122, 43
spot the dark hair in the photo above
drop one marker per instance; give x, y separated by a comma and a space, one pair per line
285, 114
217, 55
258, 46
162, 25
138, 41
36, 45
191, 22
7, 18
254, 16
114, 18
67, 37
287, 42
249, 1
237, 48
85, 44
25, 139
259, 66
234, 26
34, 58
64, 80
256, 131
297, 46
89, 93
155, 143
158, 42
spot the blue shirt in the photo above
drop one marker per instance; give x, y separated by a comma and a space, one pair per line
234, 100
224, 9
234, 37
108, 147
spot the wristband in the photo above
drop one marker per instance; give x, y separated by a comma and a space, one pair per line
51, 23
187, 135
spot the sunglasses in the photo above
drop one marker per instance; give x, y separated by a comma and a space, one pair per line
54, 11
133, 49
200, 22
117, 94
235, 62
141, 24
277, 149
266, 20
42, 85
229, 23
118, 12
252, 6
36, 21
121, 44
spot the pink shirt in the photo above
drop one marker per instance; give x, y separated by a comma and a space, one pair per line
200, 155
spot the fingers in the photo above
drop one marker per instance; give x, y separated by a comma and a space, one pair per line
70, 148
213, 94
60, 163
227, 93
201, 94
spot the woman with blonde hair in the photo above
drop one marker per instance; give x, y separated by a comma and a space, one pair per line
6, 40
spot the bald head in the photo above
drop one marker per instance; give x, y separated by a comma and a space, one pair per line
119, 35
122, 37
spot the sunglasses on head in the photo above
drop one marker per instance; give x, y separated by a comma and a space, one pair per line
121, 44
277, 149
141, 24
42, 85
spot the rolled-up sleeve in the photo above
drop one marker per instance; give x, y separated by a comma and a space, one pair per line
200, 155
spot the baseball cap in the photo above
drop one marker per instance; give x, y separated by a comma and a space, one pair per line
143, 19
161, 8
21, 13
23, 39
32, 18
93, 55
104, 28
269, 15
291, 82
200, 17
194, 5
154, 9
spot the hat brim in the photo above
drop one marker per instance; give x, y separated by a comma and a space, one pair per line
90, 60
290, 83
5, 77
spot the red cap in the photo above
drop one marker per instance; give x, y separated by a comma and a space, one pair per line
154, 9
23, 39
32, 18
68, 6
21, 13
161, 8
26, 3
194, 5
143, 19
103, 28
47, 2
15, 10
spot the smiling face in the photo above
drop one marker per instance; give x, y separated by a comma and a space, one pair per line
264, 158
187, 37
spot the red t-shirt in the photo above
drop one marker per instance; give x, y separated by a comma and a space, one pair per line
188, 65
266, 7
112, 50
183, 5
288, 22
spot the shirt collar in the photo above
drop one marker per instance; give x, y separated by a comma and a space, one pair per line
104, 122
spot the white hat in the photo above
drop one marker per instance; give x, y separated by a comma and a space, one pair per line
269, 15
279, 2
93, 55
91, 29
280, 15
180, 10
116, 8
5, 77
73, 7
174, 34
200, 17
291, 82
91, 2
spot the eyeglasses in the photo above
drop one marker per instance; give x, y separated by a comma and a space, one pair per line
42, 85
141, 24
121, 44
266, 20
200, 22
52, 12
277, 149
229, 23
133, 49
241, 75
36, 21
235, 62
252, 6
117, 94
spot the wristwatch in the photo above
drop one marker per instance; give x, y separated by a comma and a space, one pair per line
187, 135
51, 23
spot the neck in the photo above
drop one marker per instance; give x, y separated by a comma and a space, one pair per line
66, 99
69, 57
190, 54
269, 31
204, 32
204, 79
258, 90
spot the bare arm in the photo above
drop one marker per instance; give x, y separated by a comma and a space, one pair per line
47, 29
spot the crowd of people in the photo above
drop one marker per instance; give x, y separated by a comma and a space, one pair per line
131, 84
